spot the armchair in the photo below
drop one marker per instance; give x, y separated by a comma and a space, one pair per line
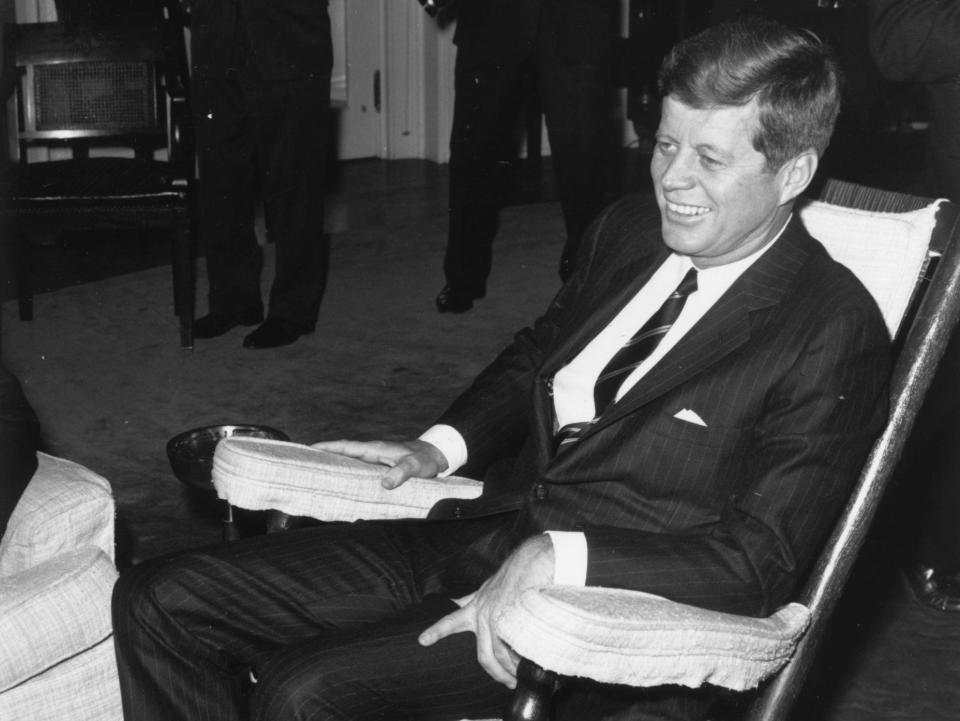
904, 249
56, 576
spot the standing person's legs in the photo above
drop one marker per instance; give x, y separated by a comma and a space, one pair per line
189, 628
292, 125
226, 186
487, 104
578, 106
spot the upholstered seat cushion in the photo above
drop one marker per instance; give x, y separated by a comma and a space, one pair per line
627, 637
262, 474
64, 507
108, 179
887, 251
53, 612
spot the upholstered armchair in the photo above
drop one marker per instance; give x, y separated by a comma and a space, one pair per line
56, 577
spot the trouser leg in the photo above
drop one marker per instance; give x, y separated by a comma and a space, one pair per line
226, 193
577, 103
188, 628
292, 126
380, 672
482, 142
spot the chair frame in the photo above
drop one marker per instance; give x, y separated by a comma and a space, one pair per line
159, 44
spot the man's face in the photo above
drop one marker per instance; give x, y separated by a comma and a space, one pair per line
718, 200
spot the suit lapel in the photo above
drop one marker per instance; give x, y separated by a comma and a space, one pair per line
724, 328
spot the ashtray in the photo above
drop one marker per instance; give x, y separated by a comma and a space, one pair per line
191, 452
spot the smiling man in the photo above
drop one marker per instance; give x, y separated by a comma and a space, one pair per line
686, 419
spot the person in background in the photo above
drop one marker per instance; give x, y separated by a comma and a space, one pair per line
261, 104
918, 41
568, 46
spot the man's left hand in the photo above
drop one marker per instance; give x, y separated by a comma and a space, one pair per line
530, 565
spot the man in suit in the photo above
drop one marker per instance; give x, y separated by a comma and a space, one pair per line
707, 472
564, 48
261, 102
19, 442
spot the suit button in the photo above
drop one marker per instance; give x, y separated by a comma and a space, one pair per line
457, 512
549, 382
540, 492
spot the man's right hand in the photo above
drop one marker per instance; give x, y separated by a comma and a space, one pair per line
407, 459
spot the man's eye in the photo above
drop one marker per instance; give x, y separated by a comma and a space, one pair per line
709, 162
665, 147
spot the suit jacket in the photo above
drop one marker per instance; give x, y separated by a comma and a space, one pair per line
279, 39
19, 441
510, 31
788, 370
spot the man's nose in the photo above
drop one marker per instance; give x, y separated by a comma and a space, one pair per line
678, 172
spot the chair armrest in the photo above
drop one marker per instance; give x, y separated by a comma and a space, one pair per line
53, 611
64, 507
637, 639
261, 474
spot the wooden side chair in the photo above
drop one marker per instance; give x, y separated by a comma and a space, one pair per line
907, 253
81, 89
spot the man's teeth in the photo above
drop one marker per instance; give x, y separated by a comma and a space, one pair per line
687, 209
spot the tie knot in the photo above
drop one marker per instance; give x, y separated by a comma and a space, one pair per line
688, 285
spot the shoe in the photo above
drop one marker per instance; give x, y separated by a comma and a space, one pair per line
454, 301
216, 324
932, 589
274, 332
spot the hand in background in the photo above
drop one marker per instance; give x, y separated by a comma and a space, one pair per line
407, 459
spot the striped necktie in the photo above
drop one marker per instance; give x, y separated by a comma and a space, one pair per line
634, 352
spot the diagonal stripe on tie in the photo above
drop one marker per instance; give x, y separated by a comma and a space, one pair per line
636, 350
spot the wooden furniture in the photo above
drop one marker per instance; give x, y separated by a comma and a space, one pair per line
906, 252
83, 93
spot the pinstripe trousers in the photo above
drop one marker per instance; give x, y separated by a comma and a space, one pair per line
325, 619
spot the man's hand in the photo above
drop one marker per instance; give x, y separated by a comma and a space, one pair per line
407, 459
529, 565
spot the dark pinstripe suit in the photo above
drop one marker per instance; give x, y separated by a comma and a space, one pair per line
788, 371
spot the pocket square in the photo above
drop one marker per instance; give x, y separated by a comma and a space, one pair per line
690, 417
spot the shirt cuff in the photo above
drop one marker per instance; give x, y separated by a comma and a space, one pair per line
451, 445
569, 557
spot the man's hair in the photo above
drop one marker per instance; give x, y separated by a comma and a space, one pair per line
793, 75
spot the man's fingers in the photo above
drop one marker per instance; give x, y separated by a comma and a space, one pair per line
492, 655
457, 622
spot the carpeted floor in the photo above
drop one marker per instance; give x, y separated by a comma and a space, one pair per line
102, 366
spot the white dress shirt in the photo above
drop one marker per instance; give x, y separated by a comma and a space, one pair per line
573, 384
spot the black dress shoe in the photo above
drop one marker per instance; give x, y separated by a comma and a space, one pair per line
274, 332
455, 301
216, 324
932, 589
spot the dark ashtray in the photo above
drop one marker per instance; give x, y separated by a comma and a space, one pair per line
191, 452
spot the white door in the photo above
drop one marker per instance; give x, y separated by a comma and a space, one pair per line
357, 78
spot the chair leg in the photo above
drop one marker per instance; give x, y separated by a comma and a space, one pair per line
24, 277
183, 284
533, 694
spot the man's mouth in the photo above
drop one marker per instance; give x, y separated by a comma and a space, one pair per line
688, 210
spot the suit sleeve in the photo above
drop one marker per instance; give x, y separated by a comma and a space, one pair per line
494, 414
803, 456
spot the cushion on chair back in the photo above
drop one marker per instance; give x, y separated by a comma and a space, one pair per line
64, 507
886, 251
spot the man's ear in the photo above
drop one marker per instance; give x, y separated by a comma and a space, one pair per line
796, 174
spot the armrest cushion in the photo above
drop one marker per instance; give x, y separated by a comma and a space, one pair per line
637, 639
263, 474
53, 611
64, 507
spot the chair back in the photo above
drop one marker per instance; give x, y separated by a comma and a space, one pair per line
83, 86
930, 314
